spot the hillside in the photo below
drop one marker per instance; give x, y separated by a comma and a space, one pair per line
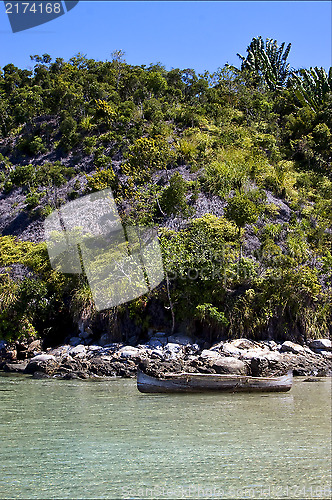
232, 168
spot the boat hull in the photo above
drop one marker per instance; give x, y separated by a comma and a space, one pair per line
201, 382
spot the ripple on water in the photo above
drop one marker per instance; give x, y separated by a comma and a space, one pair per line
103, 439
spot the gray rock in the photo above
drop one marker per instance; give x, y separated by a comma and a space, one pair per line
43, 363
153, 343
93, 348
289, 346
180, 339
60, 351
40, 375
271, 344
321, 344
129, 352
256, 352
208, 355
230, 349
157, 353
225, 364
74, 341
243, 344
173, 351
193, 349
84, 335
259, 367
104, 339
159, 335
34, 348
66, 358
78, 350
15, 367
42, 358
217, 347
325, 354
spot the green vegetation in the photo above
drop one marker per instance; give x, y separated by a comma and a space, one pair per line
234, 168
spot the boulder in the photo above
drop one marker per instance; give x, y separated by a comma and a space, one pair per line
289, 346
159, 335
129, 352
230, 349
157, 354
271, 344
74, 341
180, 339
59, 352
84, 335
40, 375
9, 352
272, 363
78, 350
192, 349
259, 367
307, 365
34, 348
321, 344
93, 348
43, 363
208, 355
102, 366
217, 347
225, 364
15, 367
222, 364
325, 354
243, 344
41, 358
256, 352
173, 351
133, 340
104, 339
154, 343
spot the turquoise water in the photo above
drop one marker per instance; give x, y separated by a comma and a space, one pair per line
103, 439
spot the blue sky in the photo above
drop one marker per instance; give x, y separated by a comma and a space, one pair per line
200, 35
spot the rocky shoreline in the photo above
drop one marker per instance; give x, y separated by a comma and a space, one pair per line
164, 353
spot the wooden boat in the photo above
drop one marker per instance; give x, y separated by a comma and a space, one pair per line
200, 382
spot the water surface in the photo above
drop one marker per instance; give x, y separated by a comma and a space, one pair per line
103, 439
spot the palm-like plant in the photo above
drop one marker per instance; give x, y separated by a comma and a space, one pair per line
268, 61
312, 86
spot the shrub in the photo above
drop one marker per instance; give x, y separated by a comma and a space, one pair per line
241, 210
102, 179
32, 146
147, 155
173, 199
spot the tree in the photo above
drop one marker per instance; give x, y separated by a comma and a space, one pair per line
312, 86
268, 61
118, 62
241, 210
147, 155
173, 200
52, 176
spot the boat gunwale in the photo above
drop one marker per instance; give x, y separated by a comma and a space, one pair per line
221, 376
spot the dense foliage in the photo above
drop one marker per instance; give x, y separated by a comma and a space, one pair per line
234, 168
